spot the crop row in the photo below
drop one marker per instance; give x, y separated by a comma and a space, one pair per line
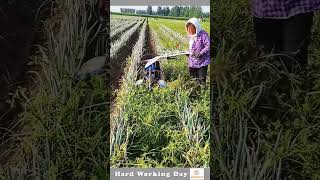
119, 125
115, 47
167, 39
121, 28
115, 23
182, 39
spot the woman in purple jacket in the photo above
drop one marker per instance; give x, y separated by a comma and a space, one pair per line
284, 26
199, 47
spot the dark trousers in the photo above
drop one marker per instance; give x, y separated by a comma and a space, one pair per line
199, 73
289, 37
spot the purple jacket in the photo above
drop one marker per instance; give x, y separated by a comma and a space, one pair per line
199, 43
281, 9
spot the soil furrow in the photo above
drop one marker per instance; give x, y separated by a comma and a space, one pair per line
117, 64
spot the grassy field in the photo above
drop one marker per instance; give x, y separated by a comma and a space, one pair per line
178, 25
266, 121
165, 127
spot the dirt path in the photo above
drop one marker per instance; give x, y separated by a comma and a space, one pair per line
149, 46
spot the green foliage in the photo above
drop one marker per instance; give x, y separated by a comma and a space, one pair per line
265, 119
159, 132
65, 122
176, 12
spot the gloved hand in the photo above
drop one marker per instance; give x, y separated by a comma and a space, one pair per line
196, 55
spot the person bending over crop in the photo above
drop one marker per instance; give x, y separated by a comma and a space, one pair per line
284, 26
199, 47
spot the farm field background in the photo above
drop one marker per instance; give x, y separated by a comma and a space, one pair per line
165, 127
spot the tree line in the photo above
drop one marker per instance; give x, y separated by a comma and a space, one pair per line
176, 11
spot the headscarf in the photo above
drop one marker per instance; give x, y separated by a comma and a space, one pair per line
198, 27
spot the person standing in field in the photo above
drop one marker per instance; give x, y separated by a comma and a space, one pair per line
199, 47
284, 26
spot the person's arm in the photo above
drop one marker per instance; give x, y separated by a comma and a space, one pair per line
206, 42
195, 52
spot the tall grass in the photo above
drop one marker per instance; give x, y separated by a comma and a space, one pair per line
265, 119
64, 134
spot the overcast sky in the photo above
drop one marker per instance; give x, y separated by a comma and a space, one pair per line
154, 8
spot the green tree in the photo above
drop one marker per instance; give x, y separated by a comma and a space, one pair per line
182, 9
141, 12
159, 11
166, 11
175, 11
185, 11
192, 11
198, 11
178, 11
149, 10
172, 11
